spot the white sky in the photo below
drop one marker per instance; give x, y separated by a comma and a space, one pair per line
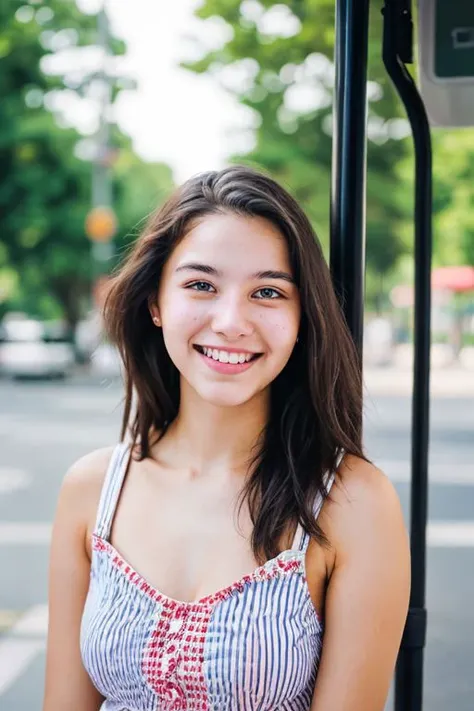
174, 116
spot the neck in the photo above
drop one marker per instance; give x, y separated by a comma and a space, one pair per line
207, 439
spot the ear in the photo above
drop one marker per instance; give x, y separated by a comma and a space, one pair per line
154, 311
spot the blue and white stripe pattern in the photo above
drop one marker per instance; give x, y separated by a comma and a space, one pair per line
253, 645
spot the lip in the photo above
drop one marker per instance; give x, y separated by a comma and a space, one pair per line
227, 368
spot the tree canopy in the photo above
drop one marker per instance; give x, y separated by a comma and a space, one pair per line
45, 182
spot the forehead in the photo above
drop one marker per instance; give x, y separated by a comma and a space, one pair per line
230, 242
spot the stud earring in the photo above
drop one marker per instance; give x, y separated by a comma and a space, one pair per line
156, 320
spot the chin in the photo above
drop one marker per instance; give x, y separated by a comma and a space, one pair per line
220, 396
224, 399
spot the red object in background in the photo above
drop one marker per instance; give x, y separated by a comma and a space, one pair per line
453, 278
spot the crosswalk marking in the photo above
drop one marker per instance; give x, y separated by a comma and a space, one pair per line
34, 623
18, 533
451, 534
8, 618
18, 623
18, 429
15, 657
24, 641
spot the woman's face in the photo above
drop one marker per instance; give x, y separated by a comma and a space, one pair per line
228, 307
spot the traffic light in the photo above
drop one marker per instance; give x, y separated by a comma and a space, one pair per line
446, 60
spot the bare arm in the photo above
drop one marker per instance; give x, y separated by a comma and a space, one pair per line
68, 687
368, 593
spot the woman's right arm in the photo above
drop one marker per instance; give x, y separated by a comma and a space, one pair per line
68, 687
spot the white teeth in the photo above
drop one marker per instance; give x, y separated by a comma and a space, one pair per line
226, 357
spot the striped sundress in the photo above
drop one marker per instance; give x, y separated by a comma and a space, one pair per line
252, 645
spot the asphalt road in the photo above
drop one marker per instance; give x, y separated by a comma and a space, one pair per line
44, 427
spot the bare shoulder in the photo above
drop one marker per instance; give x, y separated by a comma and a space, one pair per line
364, 509
361, 483
82, 485
89, 470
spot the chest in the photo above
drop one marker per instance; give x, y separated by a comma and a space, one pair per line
185, 540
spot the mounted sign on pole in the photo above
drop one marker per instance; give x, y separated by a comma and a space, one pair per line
446, 60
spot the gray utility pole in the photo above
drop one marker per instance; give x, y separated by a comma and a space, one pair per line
101, 181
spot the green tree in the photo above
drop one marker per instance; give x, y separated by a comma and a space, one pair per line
283, 56
45, 187
453, 197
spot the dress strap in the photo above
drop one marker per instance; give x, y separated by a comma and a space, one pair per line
328, 480
111, 489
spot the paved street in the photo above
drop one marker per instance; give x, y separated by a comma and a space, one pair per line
44, 427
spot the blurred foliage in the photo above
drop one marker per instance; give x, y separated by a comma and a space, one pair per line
277, 60
45, 187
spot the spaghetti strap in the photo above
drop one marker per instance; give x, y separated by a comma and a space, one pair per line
329, 480
111, 489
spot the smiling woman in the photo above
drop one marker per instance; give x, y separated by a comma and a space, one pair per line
236, 550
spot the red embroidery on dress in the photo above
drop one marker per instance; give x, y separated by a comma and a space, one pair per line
173, 661
98, 544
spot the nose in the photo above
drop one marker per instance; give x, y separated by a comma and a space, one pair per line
231, 317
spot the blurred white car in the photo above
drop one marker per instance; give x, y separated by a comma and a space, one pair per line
30, 348
106, 361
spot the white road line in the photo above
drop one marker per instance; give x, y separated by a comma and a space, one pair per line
25, 533
439, 473
34, 623
16, 654
53, 431
15, 657
451, 534
13, 479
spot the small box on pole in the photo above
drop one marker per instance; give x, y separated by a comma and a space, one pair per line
446, 61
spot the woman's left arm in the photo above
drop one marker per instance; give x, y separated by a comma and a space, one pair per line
368, 592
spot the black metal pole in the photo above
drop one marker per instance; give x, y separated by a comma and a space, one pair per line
397, 49
347, 256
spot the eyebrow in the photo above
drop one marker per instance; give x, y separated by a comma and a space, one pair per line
212, 271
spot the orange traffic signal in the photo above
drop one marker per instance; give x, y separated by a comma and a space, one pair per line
101, 224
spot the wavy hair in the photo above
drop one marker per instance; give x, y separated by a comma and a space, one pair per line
316, 401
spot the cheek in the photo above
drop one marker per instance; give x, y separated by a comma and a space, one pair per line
280, 328
180, 316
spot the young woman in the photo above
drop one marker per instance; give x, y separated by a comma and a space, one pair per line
237, 550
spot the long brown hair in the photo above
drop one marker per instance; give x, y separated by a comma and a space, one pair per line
316, 401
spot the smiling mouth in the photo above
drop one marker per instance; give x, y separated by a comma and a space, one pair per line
221, 356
